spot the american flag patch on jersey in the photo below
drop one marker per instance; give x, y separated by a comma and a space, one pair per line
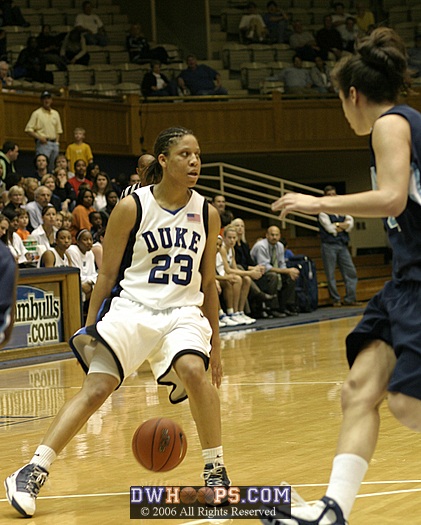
193, 217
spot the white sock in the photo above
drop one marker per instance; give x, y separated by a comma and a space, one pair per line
221, 312
230, 311
44, 456
213, 455
347, 474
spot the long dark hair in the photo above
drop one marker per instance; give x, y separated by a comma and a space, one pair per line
165, 140
378, 69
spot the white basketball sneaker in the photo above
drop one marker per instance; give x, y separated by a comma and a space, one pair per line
23, 486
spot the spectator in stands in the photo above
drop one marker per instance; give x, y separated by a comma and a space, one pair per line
277, 23
140, 51
200, 79
58, 256
79, 149
4, 226
45, 127
64, 189
92, 26
102, 185
49, 44
23, 220
112, 199
29, 184
259, 298
297, 79
11, 15
134, 179
16, 196
41, 166
73, 49
156, 84
97, 223
50, 182
84, 206
61, 162
226, 216
80, 176
349, 33
82, 257
31, 63
414, 57
8, 157
14, 242
5, 76
269, 252
320, 76
364, 18
252, 27
329, 39
67, 219
42, 197
334, 236
339, 16
303, 42
92, 171
45, 233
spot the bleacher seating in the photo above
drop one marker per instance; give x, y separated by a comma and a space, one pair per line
253, 74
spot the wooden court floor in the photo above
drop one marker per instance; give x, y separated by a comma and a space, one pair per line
281, 413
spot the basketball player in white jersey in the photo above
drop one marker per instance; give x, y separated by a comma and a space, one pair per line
155, 299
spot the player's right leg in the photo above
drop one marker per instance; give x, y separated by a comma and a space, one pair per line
23, 486
362, 395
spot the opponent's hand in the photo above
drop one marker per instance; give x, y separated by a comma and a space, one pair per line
297, 202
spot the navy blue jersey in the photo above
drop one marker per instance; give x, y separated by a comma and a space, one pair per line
404, 232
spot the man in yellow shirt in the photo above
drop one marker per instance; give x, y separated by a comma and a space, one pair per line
45, 127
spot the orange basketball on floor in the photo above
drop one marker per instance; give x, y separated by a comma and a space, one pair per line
159, 444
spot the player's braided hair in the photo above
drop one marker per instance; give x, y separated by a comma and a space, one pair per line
165, 140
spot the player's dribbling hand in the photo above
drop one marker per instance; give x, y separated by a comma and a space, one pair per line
296, 202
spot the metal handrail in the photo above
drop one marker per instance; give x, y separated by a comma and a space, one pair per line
254, 195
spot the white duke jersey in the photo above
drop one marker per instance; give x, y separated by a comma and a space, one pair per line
160, 266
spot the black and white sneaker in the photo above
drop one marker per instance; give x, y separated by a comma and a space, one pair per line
324, 512
23, 486
216, 476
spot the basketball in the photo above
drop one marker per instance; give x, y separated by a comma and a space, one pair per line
159, 444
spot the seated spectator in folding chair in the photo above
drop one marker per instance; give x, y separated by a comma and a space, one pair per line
74, 50
140, 52
200, 79
252, 26
92, 26
156, 84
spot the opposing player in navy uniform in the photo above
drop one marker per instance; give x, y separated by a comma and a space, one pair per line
155, 299
8, 274
384, 350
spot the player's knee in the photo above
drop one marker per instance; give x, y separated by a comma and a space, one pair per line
192, 373
406, 410
360, 394
97, 392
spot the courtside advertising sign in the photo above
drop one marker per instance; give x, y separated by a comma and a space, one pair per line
38, 316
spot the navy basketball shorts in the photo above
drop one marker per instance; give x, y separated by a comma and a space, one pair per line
393, 316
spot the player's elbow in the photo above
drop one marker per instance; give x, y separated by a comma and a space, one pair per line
394, 205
